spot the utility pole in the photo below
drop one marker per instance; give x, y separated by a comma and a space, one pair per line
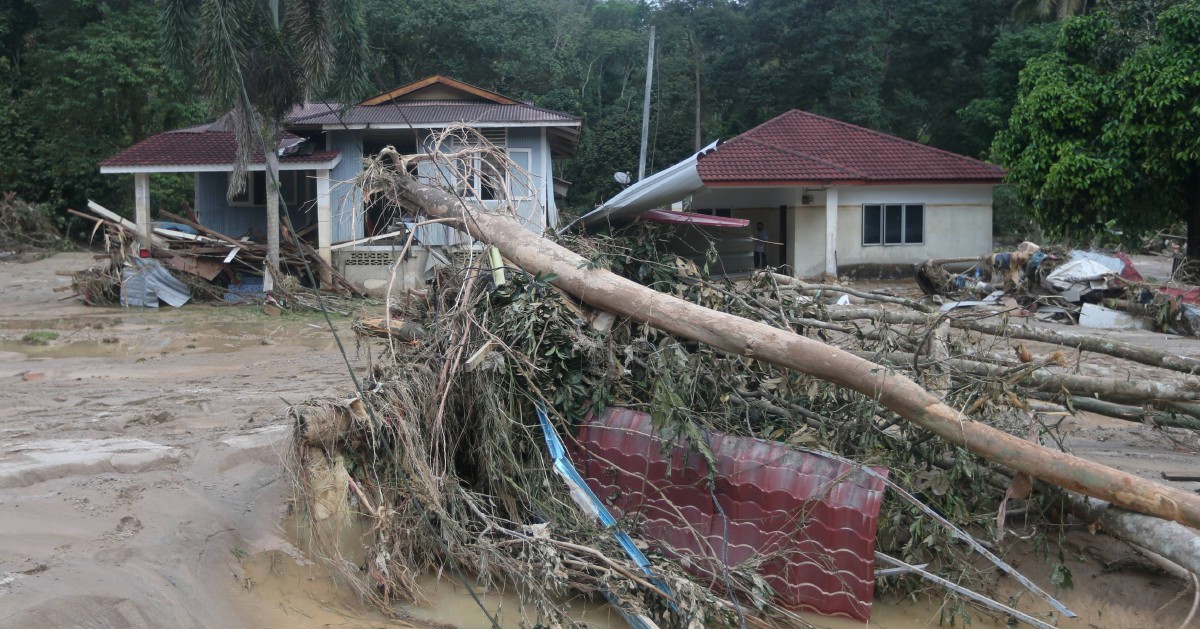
646, 108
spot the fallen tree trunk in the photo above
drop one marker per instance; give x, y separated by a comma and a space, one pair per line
1081, 342
607, 291
1111, 389
1136, 414
1171, 540
1050, 382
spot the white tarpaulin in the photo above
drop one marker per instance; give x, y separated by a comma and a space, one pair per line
1078, 271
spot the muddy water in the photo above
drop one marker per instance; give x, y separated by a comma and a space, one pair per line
277, 589
305, 596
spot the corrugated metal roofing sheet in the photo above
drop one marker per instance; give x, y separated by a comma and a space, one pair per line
800, 147
814, 516
688, 218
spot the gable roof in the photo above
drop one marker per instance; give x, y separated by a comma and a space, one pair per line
206, 147
413, 91
797, 147
431, 103
437, 102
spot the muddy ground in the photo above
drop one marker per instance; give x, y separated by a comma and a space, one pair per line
142, 481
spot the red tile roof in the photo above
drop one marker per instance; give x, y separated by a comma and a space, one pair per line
802, 148
814, 515
200, 145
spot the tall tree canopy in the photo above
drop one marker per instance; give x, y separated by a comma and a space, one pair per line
1106, 131
723, 66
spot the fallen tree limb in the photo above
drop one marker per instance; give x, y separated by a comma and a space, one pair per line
1048, 381
607, 291
1112, 389
1025, 332
1173, 541
1120, 411
837, 288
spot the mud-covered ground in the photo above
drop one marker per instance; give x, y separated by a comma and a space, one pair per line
142, 479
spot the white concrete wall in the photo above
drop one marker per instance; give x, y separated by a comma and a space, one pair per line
808, 240
958, 222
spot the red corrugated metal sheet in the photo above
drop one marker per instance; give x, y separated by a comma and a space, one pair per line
687, 218
800, 147
811, 519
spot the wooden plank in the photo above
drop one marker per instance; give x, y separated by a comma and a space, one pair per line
351, 243
122, 221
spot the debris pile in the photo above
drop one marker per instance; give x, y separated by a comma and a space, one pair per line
213, 266
445, 459
448, 457
1091, 289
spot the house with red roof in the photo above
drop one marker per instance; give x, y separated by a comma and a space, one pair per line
831, 196
322, 151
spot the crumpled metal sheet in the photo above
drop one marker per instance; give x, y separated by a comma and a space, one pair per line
811, 519
144, 281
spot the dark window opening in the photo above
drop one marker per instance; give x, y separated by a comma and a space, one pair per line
893, 224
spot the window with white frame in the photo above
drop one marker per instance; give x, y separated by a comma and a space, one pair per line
893, 224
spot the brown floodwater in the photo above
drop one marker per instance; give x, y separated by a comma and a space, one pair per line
277, 589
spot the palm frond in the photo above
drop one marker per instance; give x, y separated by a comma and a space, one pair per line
177, 26
308, 28
349, 82
222, 41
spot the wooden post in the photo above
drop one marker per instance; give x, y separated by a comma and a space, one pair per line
831, 231
141, 204
324, 225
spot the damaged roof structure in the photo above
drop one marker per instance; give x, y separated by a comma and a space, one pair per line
322, 151
833, 195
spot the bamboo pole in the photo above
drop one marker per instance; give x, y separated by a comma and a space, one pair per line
607, 291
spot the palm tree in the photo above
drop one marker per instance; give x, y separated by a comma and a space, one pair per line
257, 60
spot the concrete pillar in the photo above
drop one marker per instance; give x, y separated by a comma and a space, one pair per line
141, 203
324, 224
793, 234
831, 230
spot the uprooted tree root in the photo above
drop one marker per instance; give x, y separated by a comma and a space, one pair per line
446, 461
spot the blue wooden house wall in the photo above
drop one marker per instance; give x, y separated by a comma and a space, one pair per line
235, 221
215, 212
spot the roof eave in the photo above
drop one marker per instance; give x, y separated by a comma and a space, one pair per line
389, 126
778, 183
216, 168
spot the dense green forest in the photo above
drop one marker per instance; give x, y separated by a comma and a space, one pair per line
81, 79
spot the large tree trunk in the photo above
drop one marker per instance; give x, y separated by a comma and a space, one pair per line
273, 206
607, 291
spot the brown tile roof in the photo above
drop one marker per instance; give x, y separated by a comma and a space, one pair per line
802, 148
200, 145
424, 113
